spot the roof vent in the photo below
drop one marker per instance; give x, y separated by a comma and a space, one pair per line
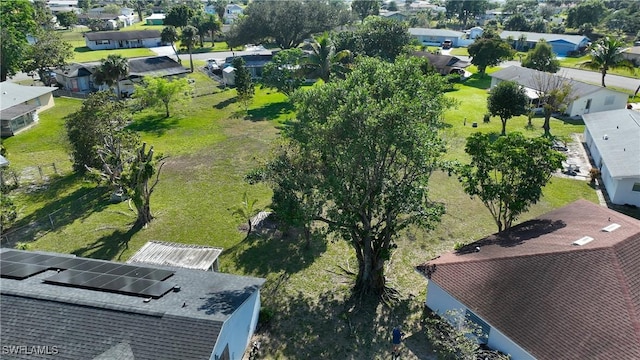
610, 228
605, 137
583, 240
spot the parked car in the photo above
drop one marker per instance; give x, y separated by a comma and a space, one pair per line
447, 44
212, 65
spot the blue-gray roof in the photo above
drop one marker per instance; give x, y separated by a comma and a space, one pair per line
90, 324
620, 148
13, 94
535, 37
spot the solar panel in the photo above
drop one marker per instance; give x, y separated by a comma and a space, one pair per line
88, 273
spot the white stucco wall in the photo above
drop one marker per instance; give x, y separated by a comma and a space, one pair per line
441, 302
238, 329
598, 99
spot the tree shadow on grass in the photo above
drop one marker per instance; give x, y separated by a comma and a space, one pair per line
270, 111
478, 82
108, 246
224, 103
83, 49
155, 123
59, 212
270, 252
325, 326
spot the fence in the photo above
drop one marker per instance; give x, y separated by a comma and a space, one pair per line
67, 93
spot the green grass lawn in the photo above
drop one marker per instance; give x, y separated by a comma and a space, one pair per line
211, 143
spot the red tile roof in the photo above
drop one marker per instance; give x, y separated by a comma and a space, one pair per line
556, 300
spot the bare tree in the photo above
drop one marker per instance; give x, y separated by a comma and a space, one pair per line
554, 93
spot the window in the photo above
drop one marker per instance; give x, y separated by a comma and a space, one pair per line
636, 187
609, 100
482, 326
102, 42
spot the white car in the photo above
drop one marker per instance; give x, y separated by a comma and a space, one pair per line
212, 65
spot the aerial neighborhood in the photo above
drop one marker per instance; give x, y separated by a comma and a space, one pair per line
348, 179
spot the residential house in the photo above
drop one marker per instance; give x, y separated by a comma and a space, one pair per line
156, 66
58, 6
561, 286
81, 308
474, 32
561, 44
104, 21
76, 77
585, 98
105, 40
155, 19
20, 106
445, 64
435, 37
253, 62
187, 256
632, 54
126, 15
613, 139
426, 6
232, 12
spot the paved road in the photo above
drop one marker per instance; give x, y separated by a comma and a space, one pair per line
592, 77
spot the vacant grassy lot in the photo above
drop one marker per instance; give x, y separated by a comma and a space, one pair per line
211, 144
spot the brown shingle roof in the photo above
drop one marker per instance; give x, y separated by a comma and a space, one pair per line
556, 300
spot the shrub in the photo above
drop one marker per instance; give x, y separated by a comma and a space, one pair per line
486, 118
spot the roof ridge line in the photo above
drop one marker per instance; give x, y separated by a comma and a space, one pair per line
621, 276
80, 302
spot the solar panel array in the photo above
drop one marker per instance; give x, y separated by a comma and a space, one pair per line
87, 273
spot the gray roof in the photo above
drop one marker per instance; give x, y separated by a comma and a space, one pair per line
531, 78
155, 66
173, 254
122, 35
621, 149
13, 94
90, 324
442, 61
77, 69
535, 37
16, 111
435, 32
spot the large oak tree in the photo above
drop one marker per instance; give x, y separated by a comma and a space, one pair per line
359, 156
16, 22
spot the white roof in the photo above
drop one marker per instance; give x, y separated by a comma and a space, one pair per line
173, 254
12, 94
435, 32
156, 17
3, 161
616, 134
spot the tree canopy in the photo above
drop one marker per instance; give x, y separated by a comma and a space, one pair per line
375, 37
16, 22
590, 11
111, 70
169, 34
489, 50
359, 156
284, 72
465, 9
554, 94
542, 58
48, 52
189, 39
508, 174
179, 16
324, 61
364, 8
288, 23
243, 82
157, 91
506, 100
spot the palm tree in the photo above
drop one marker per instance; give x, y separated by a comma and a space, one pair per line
188, 39
606, 54
324, 60
112, 69
170, 35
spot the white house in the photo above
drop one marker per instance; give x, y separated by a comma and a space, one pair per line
561, 286
435, 37
94, 309
585, 98
57, 6
105, 40
561, 44
20, 105
632, 54
613, 139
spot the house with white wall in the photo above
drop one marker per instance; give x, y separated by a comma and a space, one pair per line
20, 106
106, 40
435, 37
94, 309
560, 286
584, 98
613, 140
232, 12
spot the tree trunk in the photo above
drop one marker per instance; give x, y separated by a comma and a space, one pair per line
144, 212
191, 58
166, 108
370, 278
546, 126
176, 52
604, 73
504, 127
249, 223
